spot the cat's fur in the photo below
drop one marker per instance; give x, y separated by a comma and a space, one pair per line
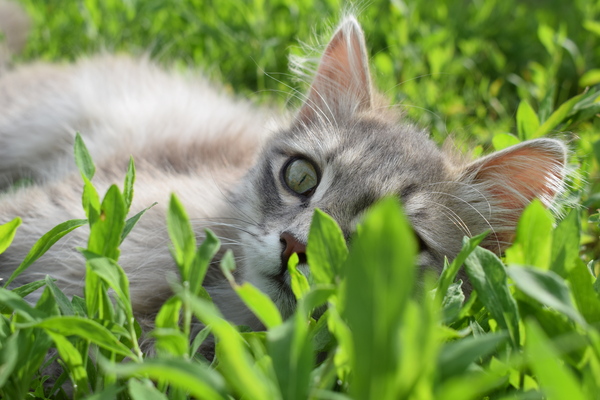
225, 163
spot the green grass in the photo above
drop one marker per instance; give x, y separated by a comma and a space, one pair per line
487, 74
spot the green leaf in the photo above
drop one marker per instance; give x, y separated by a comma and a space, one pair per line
533, 242
105, 234
527, 121
72, 359
487, 274
63, 302
90, 201
170, 341
204, 255
292, 353
234, 360
503, 140
84, 328
456, 357
7, 233
547, 288
452, 303
182, 236
590, 78
586, 298
557, 116
111, 273
326, 249
449, 272
195, 378
169, 314
130, 223
29, 287
380, 272
13, 302
44, 243
556, 381
299, 282
565, 243
128, 186
83, 159
144, 391
260, 304
9, 357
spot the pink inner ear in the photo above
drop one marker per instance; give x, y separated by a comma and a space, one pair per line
514, 177
523, 175
342, 83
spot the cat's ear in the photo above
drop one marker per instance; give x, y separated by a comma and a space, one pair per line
342, 85
511, 178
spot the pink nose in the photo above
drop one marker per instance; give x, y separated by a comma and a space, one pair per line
291, 246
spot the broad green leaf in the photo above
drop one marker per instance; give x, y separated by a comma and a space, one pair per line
9, 357
130, 223
84, 328
128, 185
533, 242
10, 301
527, 121
380, 272
204, 255
556, 381
452, 303
195, 378
182, 236
83, 159
449, 272
503, 140
565, 244
487, 274
547, 288
44, 243
7, 233
326, 249
169, 314
455, 357
105, 234
170, 341
298, 281
586, 298
71, 357
235, 362
344, 354
260, 304
590, 78
292, 353
144, 391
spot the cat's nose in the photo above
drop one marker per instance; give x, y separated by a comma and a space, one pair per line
291, 245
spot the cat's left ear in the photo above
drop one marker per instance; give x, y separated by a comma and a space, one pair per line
342, 85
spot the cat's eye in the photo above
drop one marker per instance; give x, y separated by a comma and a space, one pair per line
300, 176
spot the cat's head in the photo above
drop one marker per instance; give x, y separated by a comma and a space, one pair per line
345, 150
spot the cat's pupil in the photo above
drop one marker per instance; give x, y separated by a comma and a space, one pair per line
300, 176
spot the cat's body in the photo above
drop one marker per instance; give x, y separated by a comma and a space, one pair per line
255, 186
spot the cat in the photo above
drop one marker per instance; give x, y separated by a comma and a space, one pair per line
254, 182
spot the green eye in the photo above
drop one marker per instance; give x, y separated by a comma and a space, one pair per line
300, 176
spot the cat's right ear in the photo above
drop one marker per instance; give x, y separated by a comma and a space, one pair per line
342, 85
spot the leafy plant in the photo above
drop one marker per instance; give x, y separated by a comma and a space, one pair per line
362, 328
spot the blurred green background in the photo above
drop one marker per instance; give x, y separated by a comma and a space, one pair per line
458, 67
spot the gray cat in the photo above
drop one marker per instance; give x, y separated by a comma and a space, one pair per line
252, 181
